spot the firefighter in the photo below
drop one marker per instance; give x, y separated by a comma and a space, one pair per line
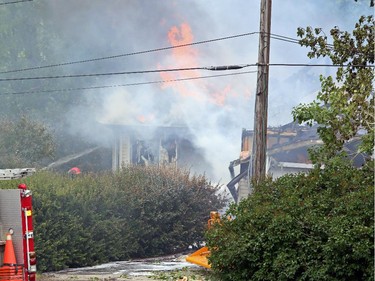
74, 171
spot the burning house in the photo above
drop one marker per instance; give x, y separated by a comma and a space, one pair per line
287, 152
167, 146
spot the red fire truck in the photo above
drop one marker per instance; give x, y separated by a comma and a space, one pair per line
16, 229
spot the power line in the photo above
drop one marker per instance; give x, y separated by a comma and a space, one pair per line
130, 54
14, 2
320, 65
213, 68
128, 84
290, 39
284, 38
274, 36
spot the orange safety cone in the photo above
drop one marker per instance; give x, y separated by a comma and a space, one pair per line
10, 271
9, 255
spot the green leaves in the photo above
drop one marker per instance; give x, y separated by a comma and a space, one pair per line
318, 226
25, 143
137, 212
313, 227
345, 105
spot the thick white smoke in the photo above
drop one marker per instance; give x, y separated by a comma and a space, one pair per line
215, 109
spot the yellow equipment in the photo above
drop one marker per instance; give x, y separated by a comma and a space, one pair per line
200, 257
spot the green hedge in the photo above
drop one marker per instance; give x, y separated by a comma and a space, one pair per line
318, 226
97, 218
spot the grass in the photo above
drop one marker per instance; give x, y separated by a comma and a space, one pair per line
190, 274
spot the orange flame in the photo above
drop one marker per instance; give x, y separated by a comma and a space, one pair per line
188, 56
219, 98
183, 57
182, 36
145, 118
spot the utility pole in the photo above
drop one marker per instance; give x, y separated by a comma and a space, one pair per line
261, 99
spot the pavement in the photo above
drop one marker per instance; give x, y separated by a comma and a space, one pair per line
171, 268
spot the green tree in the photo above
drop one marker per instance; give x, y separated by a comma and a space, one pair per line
344, 108
25, 143
30, 39
300, 227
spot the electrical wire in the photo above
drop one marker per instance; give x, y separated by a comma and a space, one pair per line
128, 84
273, 36
130, 54
14, 2
284, 38
319, 65
290, 39
213, 68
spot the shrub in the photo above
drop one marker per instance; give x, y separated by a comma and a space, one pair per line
318, 226
137, 212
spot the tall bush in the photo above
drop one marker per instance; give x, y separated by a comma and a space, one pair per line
137, 212
318, 226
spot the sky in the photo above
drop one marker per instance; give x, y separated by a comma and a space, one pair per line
215, 109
